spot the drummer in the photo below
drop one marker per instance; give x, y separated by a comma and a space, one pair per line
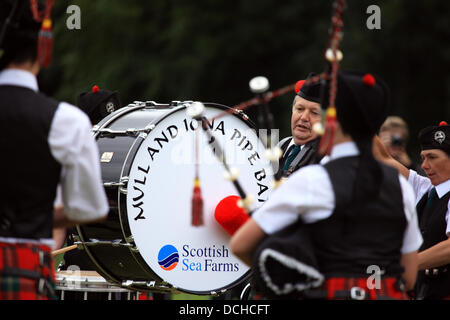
48, 142
96, 103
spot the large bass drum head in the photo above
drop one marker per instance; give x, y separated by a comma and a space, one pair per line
158, 201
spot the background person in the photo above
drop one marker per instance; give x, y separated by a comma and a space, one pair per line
300, 149
394, 134
433, 208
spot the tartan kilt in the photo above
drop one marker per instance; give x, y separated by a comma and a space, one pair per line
340, 288
26, 272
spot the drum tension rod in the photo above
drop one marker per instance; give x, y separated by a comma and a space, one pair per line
112, 184
114, 243
109, 133
162, 286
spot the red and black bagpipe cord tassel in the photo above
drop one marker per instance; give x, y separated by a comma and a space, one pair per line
45, 39
326, 142
197, 199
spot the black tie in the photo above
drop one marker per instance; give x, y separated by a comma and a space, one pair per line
291, 157
431, 197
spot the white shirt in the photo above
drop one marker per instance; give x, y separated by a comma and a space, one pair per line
308, 193
73, 146
422, 185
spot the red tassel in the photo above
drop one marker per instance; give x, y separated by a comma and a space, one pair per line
197, 205
326, 142
45, 43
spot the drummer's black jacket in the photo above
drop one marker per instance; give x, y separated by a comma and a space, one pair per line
432, 224
30, 172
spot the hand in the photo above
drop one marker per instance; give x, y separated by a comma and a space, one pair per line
59, 237
397, 152
379, 149
385, 138
394, 150
381, 154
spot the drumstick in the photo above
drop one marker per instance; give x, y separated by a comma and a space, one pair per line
65, 249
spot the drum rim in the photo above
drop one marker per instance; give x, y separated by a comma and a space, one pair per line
114, 116
236, 282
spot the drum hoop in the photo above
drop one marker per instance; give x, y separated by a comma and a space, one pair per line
123, 222
115, 115
121, 196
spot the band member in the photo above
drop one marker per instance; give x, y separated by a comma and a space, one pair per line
98, 103
301, 148
433, 208
356, 211
394, 135
45, 143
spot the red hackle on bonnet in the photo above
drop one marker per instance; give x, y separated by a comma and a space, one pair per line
299, 85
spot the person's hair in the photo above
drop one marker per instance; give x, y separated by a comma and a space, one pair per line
293, 102
21, 35
394, 122
19, 51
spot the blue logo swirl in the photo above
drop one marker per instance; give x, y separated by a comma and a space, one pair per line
168, 257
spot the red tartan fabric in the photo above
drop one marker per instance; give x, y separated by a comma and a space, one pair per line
388, 288
24, 257
144, 296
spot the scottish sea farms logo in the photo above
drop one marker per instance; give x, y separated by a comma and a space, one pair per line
208, 258
168, 257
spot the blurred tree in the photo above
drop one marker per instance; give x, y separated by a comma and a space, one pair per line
165, 50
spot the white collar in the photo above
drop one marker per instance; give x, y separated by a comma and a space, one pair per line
292, 144
344, 149
443, 188
20, 78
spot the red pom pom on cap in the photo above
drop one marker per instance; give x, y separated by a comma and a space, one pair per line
369, 80
95, 88
443, 123
299, 85
229, 215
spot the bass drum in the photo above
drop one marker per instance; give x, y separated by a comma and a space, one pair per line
148, 163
